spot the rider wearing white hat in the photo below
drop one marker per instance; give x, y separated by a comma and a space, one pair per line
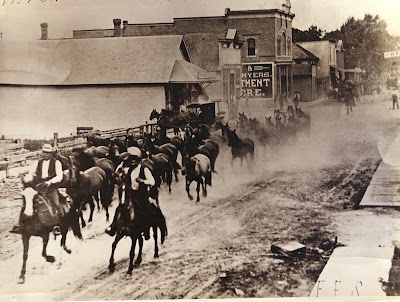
46, 178
139, 179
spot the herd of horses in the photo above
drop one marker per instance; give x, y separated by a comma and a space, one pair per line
95, 173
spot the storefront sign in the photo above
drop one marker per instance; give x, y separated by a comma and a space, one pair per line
257, 80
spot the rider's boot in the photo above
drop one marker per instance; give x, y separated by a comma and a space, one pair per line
17, 229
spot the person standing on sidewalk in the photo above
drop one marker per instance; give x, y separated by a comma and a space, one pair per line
395, 97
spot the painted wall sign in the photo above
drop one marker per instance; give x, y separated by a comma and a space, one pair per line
258, 80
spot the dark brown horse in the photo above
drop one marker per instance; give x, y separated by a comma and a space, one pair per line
42, 222
129, 225
240, 148
168, 149
86, 184
197, 168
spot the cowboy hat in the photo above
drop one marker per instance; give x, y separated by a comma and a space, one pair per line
47, 148
135, 152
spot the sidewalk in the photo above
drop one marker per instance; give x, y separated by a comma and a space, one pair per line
383, 189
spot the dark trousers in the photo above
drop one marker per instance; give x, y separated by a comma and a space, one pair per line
396, 102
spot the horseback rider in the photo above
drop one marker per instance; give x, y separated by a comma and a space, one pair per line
130, 140
48, 175
140, 180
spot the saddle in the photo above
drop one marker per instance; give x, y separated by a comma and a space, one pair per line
47, 212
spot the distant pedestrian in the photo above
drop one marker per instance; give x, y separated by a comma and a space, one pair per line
395, 97
296, 100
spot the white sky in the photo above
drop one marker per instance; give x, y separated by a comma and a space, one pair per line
21, 21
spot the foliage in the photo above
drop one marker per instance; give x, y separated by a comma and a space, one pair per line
365, 41
313, 33
35, 145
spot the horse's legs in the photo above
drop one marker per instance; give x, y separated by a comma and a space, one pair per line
204, 187
188, 189
64, 232
199, 181
139, 257
96, 197
25, 242
155, 236
48, 258
111, 266
91, 205
132, 253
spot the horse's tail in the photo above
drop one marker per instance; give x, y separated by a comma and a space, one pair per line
73, 219
176, 165
208, 178
162, 225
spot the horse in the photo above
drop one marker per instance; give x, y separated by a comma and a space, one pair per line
168, 149
129, 225
240, 148
197, 168
167, 118
97, 141
42, 222
86, 184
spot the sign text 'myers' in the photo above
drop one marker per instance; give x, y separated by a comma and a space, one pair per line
257, 80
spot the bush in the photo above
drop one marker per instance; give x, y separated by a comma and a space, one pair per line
35, 145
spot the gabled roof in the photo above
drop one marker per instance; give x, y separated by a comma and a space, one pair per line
184, 72
114, 60
299, 53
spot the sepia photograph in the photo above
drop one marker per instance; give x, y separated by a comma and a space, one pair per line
180, 149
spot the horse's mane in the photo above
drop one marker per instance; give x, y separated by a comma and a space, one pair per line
85, 159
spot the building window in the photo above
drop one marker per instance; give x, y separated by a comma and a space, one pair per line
284, 50
278, 46
251, 47
289, 46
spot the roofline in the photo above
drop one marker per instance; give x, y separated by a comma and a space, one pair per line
307, 52
112, 37
60, 86
261, 11
241, 12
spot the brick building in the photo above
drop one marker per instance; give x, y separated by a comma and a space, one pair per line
264, 38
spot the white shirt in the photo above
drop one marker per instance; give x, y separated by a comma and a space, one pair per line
135, 174
59, 172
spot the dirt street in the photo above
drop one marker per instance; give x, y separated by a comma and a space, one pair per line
308, 192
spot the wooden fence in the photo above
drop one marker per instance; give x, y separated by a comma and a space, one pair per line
15, 155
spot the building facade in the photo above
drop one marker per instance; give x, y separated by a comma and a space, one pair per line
265, 50
305, 73
49, 86
330, 67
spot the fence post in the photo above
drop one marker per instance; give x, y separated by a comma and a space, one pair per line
55, 140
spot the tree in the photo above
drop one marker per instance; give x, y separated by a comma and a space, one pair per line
365, 42
334, 35
313, 33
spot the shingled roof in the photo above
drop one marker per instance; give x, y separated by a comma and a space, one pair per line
114, 60
299, 53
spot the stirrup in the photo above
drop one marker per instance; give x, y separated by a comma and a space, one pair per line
56, 231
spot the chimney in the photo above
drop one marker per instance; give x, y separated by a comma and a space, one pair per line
124, 24
227, 10
117, 27
44, 27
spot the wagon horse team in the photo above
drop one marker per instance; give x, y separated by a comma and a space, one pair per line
55, 197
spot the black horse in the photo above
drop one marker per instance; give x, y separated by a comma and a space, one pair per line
240, 148
42, 222
129, 225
